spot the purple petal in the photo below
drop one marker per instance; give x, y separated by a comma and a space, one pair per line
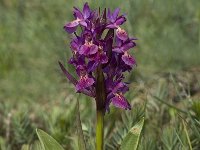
84, 82
72, 24
83, 23
109, 15
107, 108
70, 30
74, 45
84, 50
115, 13
128, 59
99, 58
111, 26
118, 42
124, 89
121, 34
87, 49
128, 46
118, 50
93, 49
72, 61
92, 65
120, 87
103, 58
124, 67
120, 101
71, 27
120, 20
86, 11
77, 60
78, 14
87, 35
80, 69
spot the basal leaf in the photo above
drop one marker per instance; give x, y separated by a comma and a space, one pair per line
47, 141
37, 146
25, 147
131, 140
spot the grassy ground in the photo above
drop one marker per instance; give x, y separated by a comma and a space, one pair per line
34, 92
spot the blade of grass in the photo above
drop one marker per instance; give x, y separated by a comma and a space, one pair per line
170, 105
180, 140
197, 132
175, 85
191, 125
187, 135
198, 122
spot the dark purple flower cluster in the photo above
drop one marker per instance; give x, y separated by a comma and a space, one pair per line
100, 42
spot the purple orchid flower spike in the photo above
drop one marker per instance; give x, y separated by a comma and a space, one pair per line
100, 57
100, 61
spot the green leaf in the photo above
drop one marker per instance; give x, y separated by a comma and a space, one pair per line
2, 143
131, 140
81, 141
37, 146
25, 147
47, 141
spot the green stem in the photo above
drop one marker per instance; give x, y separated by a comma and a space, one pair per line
100, 107
99, 130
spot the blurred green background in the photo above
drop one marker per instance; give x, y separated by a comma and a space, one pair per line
32, 40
